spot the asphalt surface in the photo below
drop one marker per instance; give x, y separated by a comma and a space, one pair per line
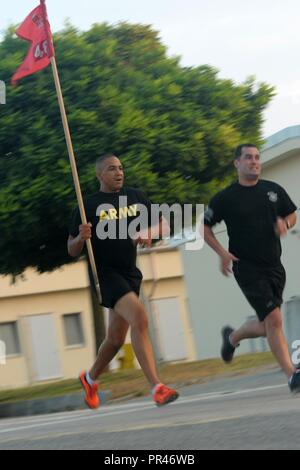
248, 412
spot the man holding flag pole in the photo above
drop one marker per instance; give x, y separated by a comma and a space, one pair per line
36, 29
125, 307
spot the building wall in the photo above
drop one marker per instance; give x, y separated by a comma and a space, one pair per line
18, 370
165, 267
72, 276
160, 264
286, 173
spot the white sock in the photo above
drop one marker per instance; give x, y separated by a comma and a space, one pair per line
88, 379
155, 388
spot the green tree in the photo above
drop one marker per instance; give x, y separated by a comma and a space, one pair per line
173, 127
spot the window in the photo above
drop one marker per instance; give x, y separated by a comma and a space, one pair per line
73, 329
10, 337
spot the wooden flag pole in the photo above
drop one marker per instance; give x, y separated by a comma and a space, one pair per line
74, 172
48, 49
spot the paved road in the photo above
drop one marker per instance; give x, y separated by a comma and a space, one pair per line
251, 412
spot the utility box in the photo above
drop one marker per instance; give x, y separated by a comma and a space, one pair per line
292, 328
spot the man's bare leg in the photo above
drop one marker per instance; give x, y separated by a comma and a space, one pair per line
277, 341
114, 340
132, 311
250, 329
271, 327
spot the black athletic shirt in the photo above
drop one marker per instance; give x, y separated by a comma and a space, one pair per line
250, 213
112, 253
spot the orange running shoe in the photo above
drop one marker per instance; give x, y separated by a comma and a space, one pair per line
164, 395
91, 392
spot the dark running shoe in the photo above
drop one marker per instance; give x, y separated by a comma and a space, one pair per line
294, 382
227, 350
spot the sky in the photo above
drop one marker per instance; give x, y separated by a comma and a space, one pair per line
239, 38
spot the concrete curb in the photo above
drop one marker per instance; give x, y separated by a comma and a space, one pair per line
42, 406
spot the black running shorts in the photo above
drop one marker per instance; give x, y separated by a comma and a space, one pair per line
115, 284
262, 287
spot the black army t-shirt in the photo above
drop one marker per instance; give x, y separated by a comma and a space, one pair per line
113, 213
250, 213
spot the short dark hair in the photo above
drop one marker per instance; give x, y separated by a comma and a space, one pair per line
101, 160
239, 149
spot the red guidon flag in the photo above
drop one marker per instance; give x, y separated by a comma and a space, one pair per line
36, 29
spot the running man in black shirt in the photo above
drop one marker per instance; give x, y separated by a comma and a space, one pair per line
120, 279
256, 213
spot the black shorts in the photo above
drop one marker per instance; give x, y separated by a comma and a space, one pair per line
262, 287
114, 284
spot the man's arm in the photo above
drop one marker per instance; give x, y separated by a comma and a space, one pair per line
76, 244
284, 224
161, 230
226, 258
286, 210
291, 220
